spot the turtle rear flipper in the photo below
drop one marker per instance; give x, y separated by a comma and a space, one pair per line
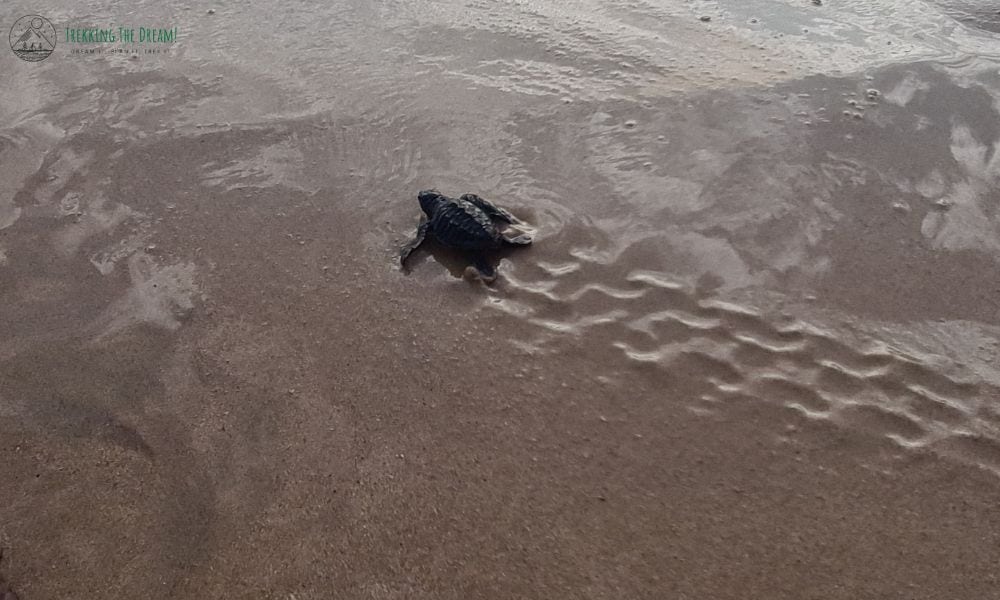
483, 269
491, 209
519, 240
415, 242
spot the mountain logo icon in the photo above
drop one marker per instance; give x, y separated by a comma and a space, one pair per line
33, 38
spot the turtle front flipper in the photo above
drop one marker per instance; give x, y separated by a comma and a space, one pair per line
412, 245
516, 240
491, 209
6, 592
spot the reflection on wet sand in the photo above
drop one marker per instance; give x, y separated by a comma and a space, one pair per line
752, 351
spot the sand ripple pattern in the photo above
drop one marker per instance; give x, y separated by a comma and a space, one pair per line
720, 352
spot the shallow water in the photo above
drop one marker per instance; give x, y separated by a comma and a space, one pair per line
752, 351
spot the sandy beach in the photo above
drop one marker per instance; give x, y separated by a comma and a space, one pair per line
752, 352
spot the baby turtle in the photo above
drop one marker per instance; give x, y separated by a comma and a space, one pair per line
465, 224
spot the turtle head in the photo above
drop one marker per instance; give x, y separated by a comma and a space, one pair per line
429, 200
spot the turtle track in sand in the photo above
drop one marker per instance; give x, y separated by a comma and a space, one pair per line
649, 325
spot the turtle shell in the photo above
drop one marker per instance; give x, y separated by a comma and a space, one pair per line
461, 224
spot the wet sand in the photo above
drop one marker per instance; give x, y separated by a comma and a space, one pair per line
751, 354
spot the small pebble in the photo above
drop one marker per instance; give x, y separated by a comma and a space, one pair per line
211, 11
631, 123
706, 18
